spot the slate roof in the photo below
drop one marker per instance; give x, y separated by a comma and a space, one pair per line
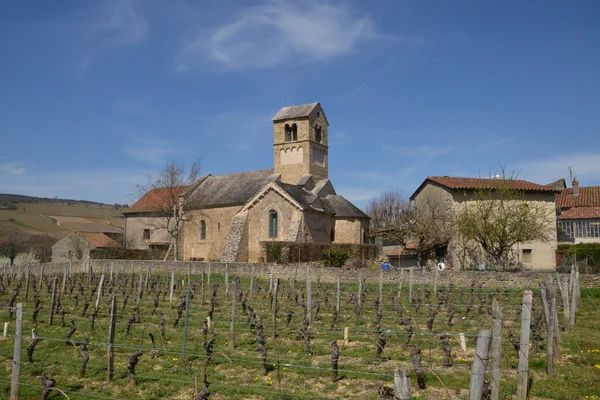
580, 213
229, 189
98, 240
343, 208
589, 196
290, 112
155, 199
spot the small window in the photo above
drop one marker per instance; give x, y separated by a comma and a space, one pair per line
146, 234
527, 255
202, 230
318, 136
273, 224
288, 133
294, 133
332, 234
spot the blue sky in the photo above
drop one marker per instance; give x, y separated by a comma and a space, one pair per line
96, 95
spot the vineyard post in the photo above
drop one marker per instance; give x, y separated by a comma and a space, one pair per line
232, 323
16, 364
435, 280
423, 283
111, 271
479, 364
308, 298
147, 277
410, 296
111, 338
53, 302
402, 384
550, 344
251, 281
544, 302
564, 291
400, 284
337, 294
360, 289
27, 282
275, 291
172, 285
346, 334
577, 286
189, 274
185, 324
523, 368
208, 281
41, 275
462, 341
271, 280
90, 273
64, 281
202, 289
496, 349
556, 330
226, 283
380, 293
5, 329
573, 302
99, 294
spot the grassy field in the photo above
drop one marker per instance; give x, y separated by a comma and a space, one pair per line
292, 371
36, 217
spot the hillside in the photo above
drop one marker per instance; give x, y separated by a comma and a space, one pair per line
43, 215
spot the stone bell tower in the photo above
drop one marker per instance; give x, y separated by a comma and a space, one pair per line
300, 142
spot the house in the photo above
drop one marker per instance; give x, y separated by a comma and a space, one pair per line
146, 222
456, 192
76, 246
578, 214
234, 217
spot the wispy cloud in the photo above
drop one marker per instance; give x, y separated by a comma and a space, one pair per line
12, 169
116, 23
147, 150
586, 167
278, 31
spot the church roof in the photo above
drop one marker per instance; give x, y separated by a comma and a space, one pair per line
343, 208
229, 189
290, 112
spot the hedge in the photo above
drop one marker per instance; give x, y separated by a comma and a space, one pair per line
586, 254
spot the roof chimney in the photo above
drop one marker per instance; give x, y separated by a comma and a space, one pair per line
575, 187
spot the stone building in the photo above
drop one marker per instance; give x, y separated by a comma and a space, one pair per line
76, 246
455, 192
578, 213
231, 217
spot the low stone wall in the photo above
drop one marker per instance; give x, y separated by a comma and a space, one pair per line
514, 280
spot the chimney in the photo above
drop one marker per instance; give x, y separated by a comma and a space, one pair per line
575, 187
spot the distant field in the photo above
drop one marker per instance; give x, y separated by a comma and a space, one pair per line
35, 217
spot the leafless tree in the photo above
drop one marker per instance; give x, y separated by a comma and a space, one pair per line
500, 217
425, 225
167, 200
12, 242
77, 247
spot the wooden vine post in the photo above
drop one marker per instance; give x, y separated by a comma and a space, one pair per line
275, 306
523, 368
402, 384
53, 301
496, 349
111, 339
16, 364
185, 326
480, 364
232, 322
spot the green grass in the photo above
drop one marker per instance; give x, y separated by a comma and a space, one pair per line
292, 373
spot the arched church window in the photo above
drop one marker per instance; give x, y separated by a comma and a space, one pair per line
288, 133
294, 133
272, 224
203, 230
318, 136
332, 234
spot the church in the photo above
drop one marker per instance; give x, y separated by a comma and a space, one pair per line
234, 217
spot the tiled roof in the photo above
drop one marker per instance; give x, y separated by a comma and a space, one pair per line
229, 189
580, 213
589, 196
300, 111
488, 183
98, 240
155, 199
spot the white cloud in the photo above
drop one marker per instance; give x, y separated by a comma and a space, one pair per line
123, 24
149, 150
12, 169
279, 31
586, 167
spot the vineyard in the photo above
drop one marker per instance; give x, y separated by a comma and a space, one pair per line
223, 332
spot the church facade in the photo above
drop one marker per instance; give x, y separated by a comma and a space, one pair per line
230, 217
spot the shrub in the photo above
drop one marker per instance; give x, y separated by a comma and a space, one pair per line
335, 257
586, 254
275, 251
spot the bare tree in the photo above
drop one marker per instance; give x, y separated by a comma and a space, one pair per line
12, 242
502, 216
168, 204
425, 226
77, 247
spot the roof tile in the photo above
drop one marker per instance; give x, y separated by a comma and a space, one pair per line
488, 183
580, 213
589, 196
98, 240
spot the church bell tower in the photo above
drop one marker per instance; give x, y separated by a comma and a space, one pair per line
300, 142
